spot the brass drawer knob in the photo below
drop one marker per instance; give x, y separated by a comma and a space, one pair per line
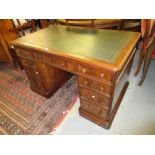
84, 70
102, 75
37, 73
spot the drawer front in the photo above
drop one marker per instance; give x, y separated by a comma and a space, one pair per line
93, 72
27, 63
57, 61
24, 53
64, 63
93, 109
94, 85
94, 97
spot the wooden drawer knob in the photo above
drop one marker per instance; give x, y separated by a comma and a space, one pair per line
84, 70
93, 96
12, 47
63, 64
86, 82
39, 56
102, 75
86, 106
102, 88
26, 53
101, 99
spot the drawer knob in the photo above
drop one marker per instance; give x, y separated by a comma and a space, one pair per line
38, 56
12, 47
86, 82
93, 96
101, 99
23, 60
102, 75
84, 70
37, 73
63, 64
85, 106
102, 88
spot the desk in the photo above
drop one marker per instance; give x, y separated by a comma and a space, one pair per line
101, 59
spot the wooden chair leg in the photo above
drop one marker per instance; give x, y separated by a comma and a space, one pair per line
146, 63
141, 57
33, 29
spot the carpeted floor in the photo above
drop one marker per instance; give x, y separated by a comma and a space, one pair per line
24, 112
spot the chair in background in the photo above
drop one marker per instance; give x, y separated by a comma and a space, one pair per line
6, 36
21, 25
131, 25
148, 47
46, 22
80, 22
92, 23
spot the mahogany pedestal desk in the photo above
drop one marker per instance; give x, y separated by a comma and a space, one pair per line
101, 59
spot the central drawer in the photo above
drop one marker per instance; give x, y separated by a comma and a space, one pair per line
56, 61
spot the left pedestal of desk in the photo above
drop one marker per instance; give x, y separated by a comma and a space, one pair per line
44, 79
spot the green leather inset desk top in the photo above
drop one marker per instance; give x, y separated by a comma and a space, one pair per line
104, 45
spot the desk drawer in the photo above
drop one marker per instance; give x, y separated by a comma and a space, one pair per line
93, 72
57, 61
94, 97
24, 53
94, 85
64, 63
93, 109
27, 63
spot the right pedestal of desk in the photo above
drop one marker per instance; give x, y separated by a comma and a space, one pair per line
99, 101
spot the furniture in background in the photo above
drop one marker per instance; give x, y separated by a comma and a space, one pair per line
148, 47
46, 22
20, 26
131, 25
101, 59
6, 36
5, 55
92, 23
